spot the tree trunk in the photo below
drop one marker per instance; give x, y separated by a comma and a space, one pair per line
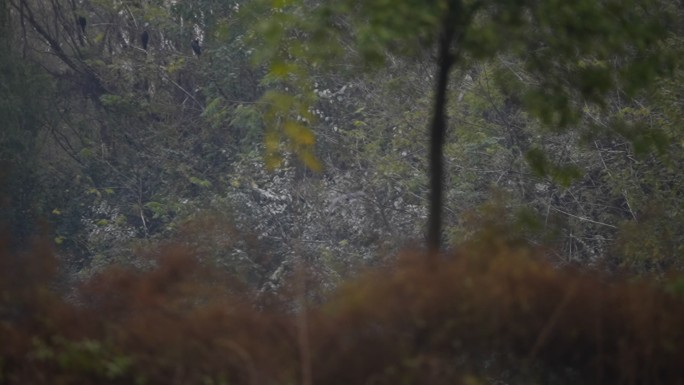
445, 61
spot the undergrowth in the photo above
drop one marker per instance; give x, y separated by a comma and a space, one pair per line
491, 312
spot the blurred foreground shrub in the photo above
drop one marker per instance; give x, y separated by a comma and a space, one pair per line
491, 313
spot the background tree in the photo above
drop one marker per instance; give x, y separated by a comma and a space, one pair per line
562, 123
573, 56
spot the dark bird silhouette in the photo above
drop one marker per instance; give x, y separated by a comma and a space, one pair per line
196, 47
82, 22
144, 38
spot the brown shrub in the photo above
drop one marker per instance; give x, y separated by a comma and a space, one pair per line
501, 314
490, 313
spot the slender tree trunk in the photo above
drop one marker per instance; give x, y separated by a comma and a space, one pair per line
445, 62
5, 37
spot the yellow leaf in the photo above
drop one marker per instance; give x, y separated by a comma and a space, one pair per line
306, 138
310, 161
273, 161
299, 134
292, 129
280, 69
272, 141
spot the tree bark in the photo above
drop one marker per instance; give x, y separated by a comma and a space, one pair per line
445, 62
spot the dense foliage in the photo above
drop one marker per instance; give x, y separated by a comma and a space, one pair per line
566, 116
281, 145
485, 315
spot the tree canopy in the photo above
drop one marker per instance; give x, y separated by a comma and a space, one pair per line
562, 119
568, 58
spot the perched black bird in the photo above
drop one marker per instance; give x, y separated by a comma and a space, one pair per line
196, 47
144, 38
82, 22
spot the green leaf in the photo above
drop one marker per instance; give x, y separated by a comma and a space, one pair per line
200, 182
565, 175
536, 159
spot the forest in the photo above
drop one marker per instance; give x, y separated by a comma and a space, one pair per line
341, 192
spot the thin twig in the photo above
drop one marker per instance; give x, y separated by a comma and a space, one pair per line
584, 219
